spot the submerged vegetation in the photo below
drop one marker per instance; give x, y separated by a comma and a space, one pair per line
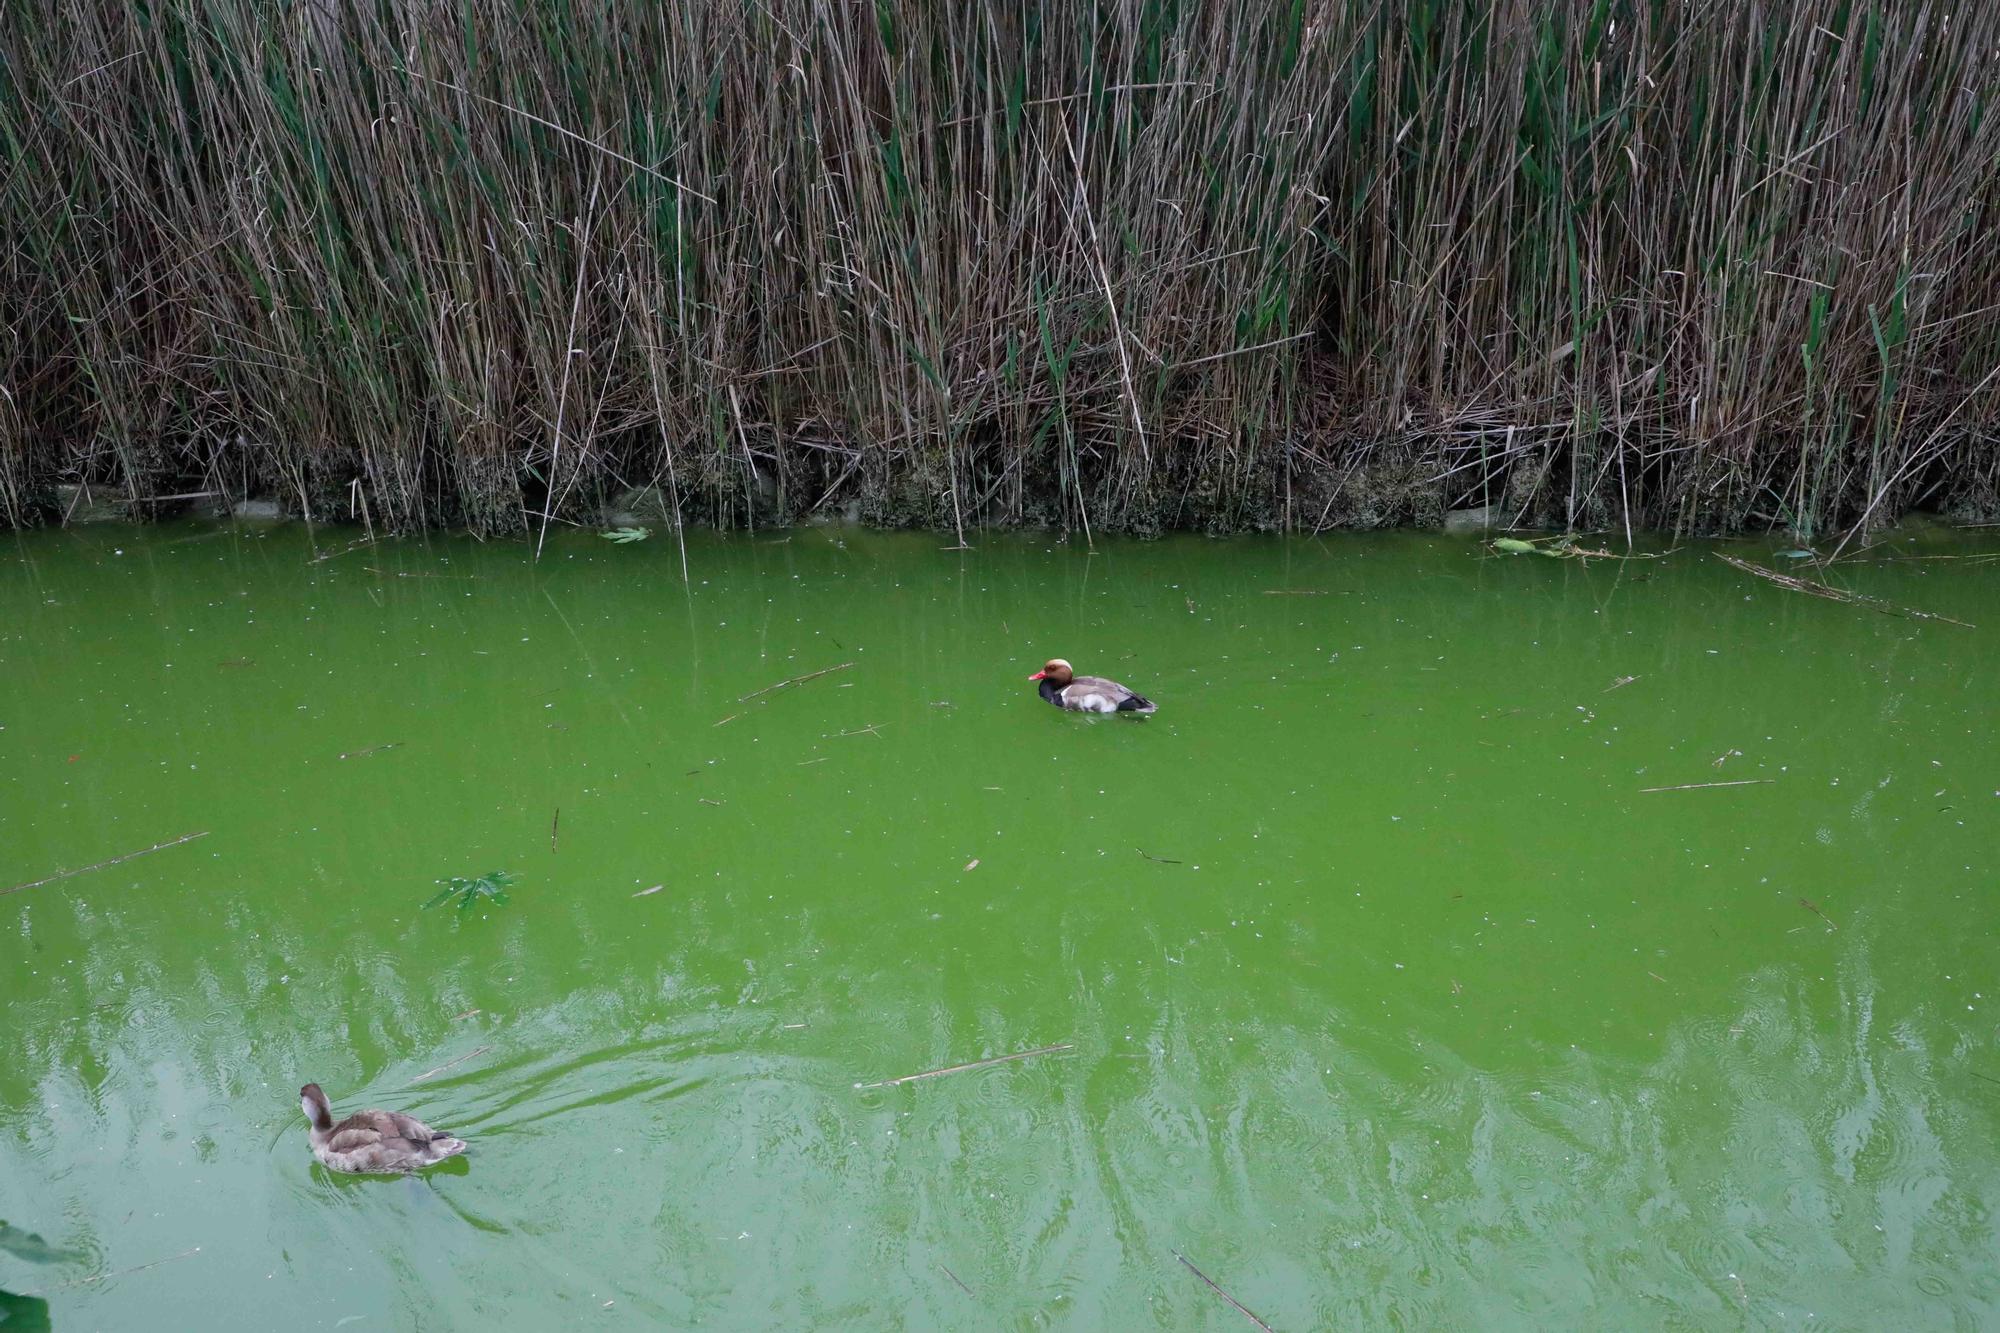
472, 890
1214, 263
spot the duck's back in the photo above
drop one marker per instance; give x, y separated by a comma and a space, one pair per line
377, 1141
1095, 694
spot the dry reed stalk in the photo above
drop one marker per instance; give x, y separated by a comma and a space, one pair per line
787, 683
1241, 1308
433, 1073
100, 865
1832, 594
976, 1064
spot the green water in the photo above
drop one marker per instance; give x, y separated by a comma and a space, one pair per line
1393, 1000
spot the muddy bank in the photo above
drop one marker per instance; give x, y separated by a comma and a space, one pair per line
1282, 489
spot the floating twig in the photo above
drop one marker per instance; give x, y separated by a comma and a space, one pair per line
1618, 684
406, 574
373, 749
1813, 907
1696, 786
731, 718
976, 1064
554, 822
973, 864
460, 1018
99, 865
430, 1073
872, 729
351, 546
1163, 860
123, 1272
794, 680
705, 801
647, 893
1243, 1309
1833, 594
1978, 558
1295, 592
955, 1278
805, 762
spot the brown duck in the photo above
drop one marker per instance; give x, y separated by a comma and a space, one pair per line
1062, 687
373, 1142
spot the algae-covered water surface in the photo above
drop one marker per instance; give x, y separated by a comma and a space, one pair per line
1470, 940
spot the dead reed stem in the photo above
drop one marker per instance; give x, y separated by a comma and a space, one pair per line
789, 681
1240, 1307
102, 1277
976, 1064
432, 1073
100, 865
1833, 594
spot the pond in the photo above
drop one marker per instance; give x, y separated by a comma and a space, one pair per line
1470, 939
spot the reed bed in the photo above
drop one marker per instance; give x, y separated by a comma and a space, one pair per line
1110, 265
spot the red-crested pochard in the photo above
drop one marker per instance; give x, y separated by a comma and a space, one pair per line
1062, 687
372, 1142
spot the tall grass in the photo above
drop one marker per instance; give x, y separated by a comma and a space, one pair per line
1110, 264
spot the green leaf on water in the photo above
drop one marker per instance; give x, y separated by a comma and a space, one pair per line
625, 535
1800, 554
491, 886
29, 1246
1515, 546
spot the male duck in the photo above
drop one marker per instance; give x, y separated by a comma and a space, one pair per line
372, 1142
1062, 687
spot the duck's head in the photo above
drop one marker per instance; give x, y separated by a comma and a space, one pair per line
313, 1102
1056, 671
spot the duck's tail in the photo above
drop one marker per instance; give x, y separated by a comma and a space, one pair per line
1137, 703
443, 1146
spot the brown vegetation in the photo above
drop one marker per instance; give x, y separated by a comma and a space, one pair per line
1214, 263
